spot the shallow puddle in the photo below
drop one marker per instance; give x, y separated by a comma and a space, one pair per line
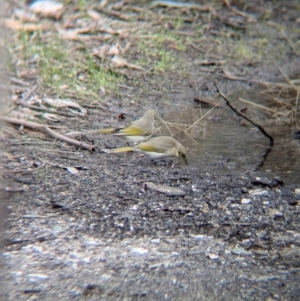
228, 144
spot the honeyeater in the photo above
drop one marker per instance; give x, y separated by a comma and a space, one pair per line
158, 147
137, 131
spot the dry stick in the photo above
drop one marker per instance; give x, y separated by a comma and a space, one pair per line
285, 76
48, 131
245, 15
29, 93
32, 125
289, 42
19, 81
245, 117
48, 110
26, 170
203, 116
257, 105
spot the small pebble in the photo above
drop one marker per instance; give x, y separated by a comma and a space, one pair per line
37, 277
297, 191
139, 251
259, 192
246, 201
240, 251
212, 256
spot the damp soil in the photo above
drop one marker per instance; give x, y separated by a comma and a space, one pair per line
85, 225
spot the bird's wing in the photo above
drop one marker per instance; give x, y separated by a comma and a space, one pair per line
119, 150
107, 131
130, 131
149, 147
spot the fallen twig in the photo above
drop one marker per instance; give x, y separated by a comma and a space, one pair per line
19, 81
209, 62
231, 76
238, 12
285, 37
29, 93
197, 48
286, 77
257, 105
229, 22
47, 110
167, 190
24, 170
173, 4
245, 117
194, 124
45, 129
207, 102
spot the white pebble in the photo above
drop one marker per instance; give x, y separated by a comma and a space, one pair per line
246, 201
37, 277
139, 251
258, 192
297, 191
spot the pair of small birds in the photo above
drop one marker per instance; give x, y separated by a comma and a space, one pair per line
141, 130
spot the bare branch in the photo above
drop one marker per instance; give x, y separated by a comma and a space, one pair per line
245, 117
45, 129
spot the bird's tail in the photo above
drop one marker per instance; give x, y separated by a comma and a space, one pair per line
119, 150
107, 131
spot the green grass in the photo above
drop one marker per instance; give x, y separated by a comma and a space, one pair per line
62, 71
165, 62
158, 52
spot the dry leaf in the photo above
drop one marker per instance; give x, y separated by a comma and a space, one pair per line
53, 117
62, 103
25, 16
101, 52
77, 34
167, 190
121, 117
18, 25
119, 62
70, 34
103, 3
47, 8
212, 256
94, 15
114, 50
126, 47
72, 170
23, 113
244, 110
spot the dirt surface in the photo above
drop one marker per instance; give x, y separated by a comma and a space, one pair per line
85, 225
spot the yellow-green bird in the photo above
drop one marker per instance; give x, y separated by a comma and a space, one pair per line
137, 131
156, 148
